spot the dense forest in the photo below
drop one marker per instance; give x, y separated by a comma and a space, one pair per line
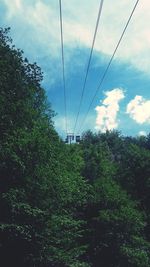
77, 205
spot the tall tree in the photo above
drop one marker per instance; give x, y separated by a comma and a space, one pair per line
40, 193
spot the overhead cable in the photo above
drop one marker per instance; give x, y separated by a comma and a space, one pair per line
63, 63
108, 66
89, 62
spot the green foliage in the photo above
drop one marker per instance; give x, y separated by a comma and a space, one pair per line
38, 187
138, 182
66, 205
115, 226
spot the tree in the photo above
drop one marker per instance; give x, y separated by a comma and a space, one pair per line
40, 193
65, 205
115, 226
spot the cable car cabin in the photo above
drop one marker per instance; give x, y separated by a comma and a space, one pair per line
69, 138
78, 139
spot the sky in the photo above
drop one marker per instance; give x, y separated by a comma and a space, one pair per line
122, 101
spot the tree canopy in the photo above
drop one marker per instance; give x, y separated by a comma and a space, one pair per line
64, 205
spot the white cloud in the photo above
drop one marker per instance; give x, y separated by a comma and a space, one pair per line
18, 3
139, 109
13, 7
107, 112
79, 22
134, 47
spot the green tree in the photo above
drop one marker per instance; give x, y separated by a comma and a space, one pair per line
115, 226
65, 205
40, 192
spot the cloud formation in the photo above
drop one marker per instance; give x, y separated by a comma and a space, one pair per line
107, 112
79, 22
13, 7
139, 109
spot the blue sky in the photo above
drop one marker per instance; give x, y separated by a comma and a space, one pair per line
123, 101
